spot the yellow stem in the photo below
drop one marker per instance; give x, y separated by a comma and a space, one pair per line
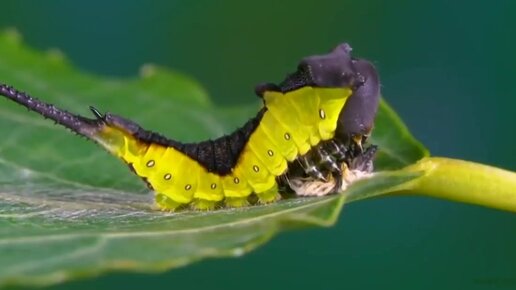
464, 181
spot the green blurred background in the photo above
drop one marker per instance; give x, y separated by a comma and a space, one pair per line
447, 67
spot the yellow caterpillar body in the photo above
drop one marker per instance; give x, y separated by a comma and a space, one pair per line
292, 125
309, 132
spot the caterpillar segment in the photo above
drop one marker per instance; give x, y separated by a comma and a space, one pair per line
308, 138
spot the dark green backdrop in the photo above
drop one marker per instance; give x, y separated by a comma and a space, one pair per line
448, 68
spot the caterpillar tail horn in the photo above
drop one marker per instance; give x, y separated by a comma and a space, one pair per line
81, 125
112, 132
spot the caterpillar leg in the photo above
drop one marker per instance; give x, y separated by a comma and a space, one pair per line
326, 160
236, 201
308, 186
269, 196
364, 161
203, 204
310, 167
359, 167
165, 203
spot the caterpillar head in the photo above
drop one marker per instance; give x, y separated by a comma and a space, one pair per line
335, 69
357, 117
338, 69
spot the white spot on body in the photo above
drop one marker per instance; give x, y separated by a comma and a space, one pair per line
322, 114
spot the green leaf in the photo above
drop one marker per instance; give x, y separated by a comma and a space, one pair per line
68, 209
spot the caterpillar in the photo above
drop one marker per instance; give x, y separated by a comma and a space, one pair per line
309, 138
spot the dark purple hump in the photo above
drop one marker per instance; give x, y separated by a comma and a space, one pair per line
357, 116
332, 70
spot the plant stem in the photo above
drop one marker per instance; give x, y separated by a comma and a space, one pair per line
464, 181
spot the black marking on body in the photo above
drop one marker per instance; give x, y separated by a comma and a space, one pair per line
219, 156
147, 182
